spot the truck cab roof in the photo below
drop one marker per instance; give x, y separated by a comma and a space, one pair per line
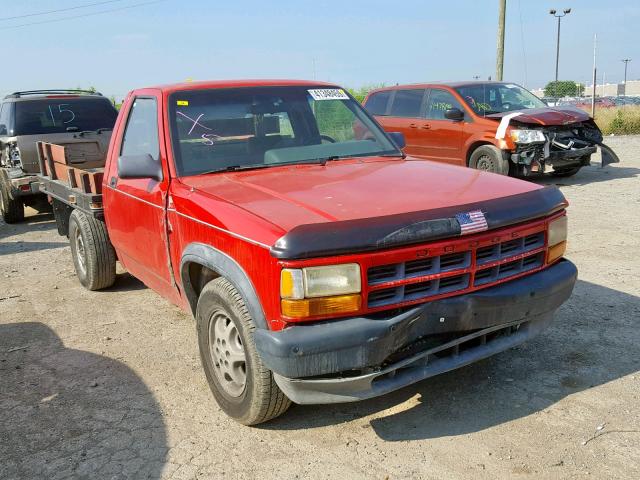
220, 84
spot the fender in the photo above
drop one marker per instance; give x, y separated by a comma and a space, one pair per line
226, 267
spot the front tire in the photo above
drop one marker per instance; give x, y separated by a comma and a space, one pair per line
11, 209
489, 159
92, 252
566, 172
242, 386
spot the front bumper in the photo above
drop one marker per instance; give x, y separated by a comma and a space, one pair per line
570, 158
558, 158
359, 358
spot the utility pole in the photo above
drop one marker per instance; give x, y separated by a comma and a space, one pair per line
559, 17
500, 50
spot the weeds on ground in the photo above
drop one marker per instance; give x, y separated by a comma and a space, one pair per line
619, 121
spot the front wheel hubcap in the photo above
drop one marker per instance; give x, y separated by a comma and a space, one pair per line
484, 163
227, 354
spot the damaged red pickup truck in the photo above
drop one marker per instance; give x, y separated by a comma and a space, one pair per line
491, 126
320, 263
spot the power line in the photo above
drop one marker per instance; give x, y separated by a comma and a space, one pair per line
59, 10
82, 16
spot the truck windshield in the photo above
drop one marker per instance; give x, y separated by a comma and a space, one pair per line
61, 115
488, 98
258, 127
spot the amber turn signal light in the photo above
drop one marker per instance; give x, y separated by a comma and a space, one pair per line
314, 307
556, 252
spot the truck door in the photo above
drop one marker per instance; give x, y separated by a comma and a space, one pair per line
135, 209
442, 137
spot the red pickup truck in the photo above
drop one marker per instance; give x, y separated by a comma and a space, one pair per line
320, 263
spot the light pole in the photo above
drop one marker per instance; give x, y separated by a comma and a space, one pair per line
559, 17
626, 62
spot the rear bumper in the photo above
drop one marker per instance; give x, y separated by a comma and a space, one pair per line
23, 186
358, 358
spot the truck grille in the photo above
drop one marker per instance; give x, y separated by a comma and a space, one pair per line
483, 262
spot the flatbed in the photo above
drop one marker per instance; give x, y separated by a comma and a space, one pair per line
65, 178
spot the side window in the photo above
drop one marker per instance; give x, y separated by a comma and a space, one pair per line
141, 133
407, 103
377, 103
439, 102
5, 119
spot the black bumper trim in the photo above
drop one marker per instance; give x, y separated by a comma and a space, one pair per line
358, 343
426, 364
558, 157
362, 235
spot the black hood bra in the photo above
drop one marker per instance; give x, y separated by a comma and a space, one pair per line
368, 234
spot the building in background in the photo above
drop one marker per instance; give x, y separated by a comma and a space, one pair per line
632, 88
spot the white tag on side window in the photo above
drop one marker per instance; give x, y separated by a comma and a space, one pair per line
328, 94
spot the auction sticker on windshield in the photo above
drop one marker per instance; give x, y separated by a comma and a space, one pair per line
328, 94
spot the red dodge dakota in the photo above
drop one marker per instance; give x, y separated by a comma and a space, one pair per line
320, 263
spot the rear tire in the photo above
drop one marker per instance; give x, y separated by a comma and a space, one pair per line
241, 384
92, 252
489, 159
566, 172
11, 209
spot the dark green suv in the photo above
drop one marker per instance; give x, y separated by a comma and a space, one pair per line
79, 119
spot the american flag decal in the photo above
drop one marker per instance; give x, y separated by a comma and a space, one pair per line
472, 222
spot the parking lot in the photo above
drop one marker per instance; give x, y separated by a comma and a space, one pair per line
109, 384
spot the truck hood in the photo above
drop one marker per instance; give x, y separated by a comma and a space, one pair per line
289, 196
546, 116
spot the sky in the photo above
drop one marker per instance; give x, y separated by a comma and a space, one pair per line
353, 43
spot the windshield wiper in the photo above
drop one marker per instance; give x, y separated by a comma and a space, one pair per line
82, 133
237, 168
323, 161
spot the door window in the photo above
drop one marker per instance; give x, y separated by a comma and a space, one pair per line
141, 133
439, 102
377, 103
407, 103
5, 119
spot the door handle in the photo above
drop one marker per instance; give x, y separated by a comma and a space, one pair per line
426, 126
112, 182
413, 125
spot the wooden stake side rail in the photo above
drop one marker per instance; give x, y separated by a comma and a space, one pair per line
78, 185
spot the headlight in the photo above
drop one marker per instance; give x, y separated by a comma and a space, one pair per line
527, 136
14, 156
315, 291
557, 238
323, 281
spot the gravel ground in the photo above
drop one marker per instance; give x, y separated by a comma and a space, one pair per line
109, 384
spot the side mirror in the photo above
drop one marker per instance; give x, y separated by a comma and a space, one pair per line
3, 130
398, 139
139, 166
454, 114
